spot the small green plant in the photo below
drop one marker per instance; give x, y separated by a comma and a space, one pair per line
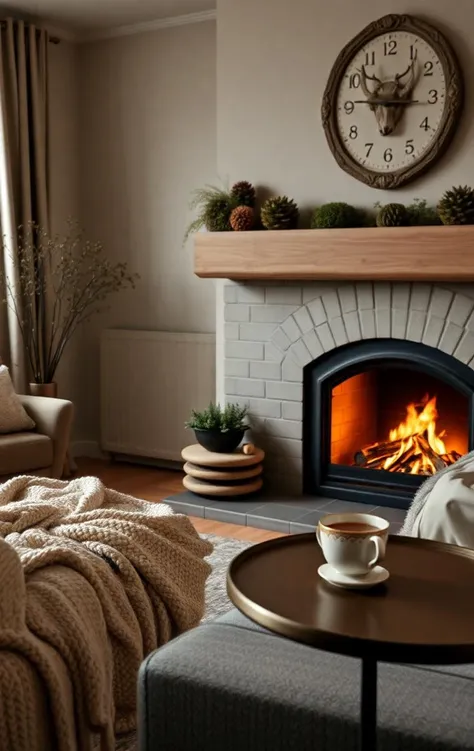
214, 206
420, 214
215, 418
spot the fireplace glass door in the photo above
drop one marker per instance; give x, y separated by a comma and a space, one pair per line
382, 415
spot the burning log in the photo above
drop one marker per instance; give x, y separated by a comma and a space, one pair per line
376, 451
413, 448
426, 449
405, 460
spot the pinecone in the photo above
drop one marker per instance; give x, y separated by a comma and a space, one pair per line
457, 206
242, 218
280, 213
244, 193
218, 213
393, 215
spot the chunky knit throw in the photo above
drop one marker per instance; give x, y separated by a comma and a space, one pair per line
91, 581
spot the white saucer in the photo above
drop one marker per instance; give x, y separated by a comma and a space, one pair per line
376, 575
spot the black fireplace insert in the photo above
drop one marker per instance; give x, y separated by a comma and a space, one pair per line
381, 415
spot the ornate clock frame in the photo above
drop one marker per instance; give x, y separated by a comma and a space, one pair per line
452, 111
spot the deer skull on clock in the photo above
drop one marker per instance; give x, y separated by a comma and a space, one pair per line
387, 97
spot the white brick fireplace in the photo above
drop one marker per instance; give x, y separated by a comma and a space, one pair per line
267, 334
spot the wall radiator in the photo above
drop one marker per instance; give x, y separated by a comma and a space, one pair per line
150, 381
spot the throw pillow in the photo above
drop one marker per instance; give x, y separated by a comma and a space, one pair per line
13, 416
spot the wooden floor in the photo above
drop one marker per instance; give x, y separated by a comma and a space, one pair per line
155, 485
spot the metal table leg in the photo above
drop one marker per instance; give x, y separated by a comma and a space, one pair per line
368, 705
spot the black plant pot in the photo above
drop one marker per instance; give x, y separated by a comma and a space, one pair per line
218, 441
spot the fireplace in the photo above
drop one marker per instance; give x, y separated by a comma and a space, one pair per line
381, 415
330, 370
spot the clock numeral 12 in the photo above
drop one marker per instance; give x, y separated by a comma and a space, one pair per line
390, 48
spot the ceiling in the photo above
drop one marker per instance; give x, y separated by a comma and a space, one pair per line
97, 15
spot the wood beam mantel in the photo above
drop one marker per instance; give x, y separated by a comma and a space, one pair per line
385, 253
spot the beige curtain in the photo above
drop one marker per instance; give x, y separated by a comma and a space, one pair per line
23, 162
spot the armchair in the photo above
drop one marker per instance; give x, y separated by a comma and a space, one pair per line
41, 451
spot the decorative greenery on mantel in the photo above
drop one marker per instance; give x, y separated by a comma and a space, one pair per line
235, 210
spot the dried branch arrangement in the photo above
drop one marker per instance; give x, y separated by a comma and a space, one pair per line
61, 282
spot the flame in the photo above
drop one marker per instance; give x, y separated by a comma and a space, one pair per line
417, 449
415, 424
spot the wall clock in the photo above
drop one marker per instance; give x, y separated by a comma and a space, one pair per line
392, 101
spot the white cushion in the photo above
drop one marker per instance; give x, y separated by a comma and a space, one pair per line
13, 416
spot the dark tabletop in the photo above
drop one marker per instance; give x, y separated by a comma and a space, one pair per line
424, 613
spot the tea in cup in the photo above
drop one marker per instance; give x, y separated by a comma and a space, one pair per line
352, 543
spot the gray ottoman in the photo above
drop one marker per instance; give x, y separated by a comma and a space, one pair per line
230, 685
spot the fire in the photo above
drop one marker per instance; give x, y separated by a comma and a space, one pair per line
414, 447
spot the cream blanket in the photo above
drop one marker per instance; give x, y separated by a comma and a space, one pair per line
91, 581
443, 508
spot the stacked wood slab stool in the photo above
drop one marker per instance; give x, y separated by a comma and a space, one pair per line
222, 475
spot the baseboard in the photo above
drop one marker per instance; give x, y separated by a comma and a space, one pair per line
91, 449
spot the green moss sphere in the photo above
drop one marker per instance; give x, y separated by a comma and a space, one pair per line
336, 215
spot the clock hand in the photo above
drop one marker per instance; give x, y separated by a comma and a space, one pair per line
389, 103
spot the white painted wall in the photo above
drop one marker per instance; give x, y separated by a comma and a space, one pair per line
273, 61
147, 137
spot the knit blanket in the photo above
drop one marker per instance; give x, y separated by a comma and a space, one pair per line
91, 581
443, 507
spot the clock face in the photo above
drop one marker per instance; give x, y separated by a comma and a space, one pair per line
392, 101
402, 133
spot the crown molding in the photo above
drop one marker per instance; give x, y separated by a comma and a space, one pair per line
146, 26
63, 35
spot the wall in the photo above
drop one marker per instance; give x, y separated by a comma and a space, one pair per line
147, 138
273, 61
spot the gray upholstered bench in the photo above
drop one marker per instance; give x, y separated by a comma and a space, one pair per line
231, 686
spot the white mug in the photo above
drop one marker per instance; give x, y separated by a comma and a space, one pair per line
352, 543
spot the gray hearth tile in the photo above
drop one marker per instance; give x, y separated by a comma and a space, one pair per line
219, 515
297, 528
312, 518
348, 507
244, 506
394, 528
307, 504
186, 508
276, 511
187, 497
262, 522
396, 515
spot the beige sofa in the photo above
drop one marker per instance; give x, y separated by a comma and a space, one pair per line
43, 450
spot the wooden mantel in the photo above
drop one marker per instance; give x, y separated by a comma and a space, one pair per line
387, 253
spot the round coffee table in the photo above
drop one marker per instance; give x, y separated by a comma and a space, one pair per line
423, 614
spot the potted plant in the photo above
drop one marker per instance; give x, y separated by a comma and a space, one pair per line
63, 281
218, 429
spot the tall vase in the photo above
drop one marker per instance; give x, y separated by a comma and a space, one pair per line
44, 389
51, 390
